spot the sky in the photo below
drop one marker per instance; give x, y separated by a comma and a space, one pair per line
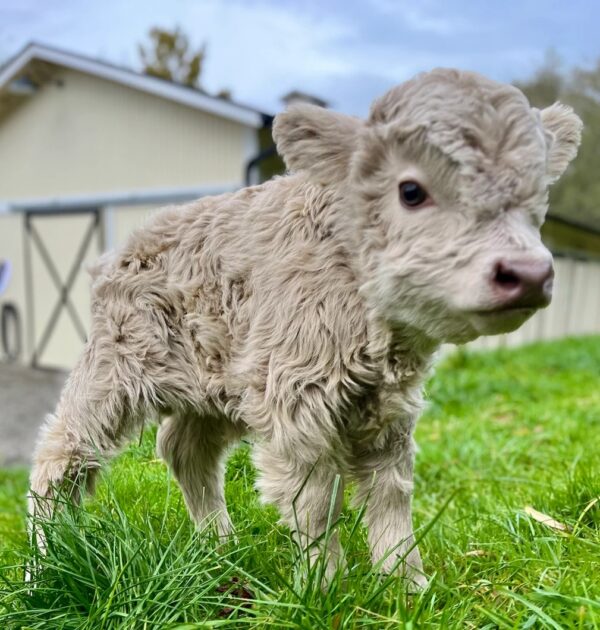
345, 51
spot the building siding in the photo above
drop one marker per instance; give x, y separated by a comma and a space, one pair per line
84, 135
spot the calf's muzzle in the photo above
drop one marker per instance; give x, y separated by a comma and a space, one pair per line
522, 283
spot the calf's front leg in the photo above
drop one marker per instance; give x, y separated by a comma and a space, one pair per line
309, 497
385, 483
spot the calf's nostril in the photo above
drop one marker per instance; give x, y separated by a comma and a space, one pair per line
506, 278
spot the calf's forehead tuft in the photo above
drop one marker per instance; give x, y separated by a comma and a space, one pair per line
445, 94
471, 119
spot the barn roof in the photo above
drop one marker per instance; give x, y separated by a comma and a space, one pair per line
35, 63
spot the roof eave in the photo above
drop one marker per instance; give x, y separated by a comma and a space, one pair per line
144, 83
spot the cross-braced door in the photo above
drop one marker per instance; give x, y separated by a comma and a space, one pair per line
58, 245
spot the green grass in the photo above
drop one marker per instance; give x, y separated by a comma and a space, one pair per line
503, 431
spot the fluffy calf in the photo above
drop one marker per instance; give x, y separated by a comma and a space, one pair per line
307, 310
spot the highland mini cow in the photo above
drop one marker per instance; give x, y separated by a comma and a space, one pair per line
306, 311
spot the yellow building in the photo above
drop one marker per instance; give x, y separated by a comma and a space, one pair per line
87, 149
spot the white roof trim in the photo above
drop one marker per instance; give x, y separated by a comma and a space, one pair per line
121, 198
144, 83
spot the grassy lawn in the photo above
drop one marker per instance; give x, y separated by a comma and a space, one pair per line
504, 432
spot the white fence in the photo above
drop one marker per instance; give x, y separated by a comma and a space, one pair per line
575, 307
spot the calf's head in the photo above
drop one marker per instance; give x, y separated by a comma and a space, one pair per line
444, 189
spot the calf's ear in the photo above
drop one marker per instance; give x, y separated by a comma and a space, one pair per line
563, 133
316, 140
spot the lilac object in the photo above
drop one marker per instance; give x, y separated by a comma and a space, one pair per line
5, 273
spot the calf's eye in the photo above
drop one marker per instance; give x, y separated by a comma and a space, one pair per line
412, 195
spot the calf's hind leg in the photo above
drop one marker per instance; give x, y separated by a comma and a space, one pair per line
194, 447
90, 421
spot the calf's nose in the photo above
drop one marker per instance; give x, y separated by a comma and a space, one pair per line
523, 282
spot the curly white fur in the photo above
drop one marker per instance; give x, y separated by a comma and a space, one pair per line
307, 310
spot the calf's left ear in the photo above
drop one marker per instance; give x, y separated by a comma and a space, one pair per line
317, 141
563, 134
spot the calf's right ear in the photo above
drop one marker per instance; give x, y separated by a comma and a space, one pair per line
316, 140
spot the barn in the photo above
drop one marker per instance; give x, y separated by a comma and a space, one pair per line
87, 150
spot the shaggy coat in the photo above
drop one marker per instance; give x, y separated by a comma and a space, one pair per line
307, 310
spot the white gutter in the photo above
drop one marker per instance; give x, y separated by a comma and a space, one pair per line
124, 198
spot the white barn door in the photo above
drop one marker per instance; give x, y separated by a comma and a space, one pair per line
59, 246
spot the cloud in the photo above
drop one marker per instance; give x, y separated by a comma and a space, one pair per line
347, 51
426, 17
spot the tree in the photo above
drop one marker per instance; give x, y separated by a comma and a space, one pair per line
169, 56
